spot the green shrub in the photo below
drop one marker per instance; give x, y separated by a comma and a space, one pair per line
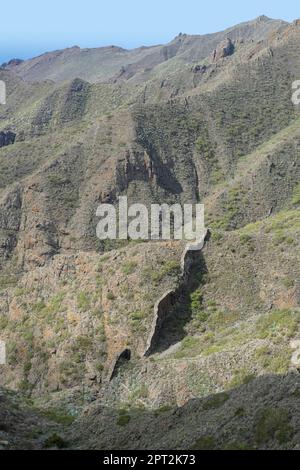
58, 416
278, 324
190, 344
163, 409
273, 423
57, 180
196, 298
240, 412
215, 401
136, 319
170, 268
241, 377
217, 235
129, 267
123, 419
288, 282
82, 343
3, 322
237, 446
55, 440
204, 443
296, 195
245, 238
110, 296
277, 362
83, 301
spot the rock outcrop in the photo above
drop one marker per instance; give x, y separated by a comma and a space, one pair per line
7, 138
224, 49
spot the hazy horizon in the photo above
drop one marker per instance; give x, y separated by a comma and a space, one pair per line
34, 28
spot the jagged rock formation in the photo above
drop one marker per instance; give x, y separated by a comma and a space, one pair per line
164, 305
120, 360
224, 49
161, 309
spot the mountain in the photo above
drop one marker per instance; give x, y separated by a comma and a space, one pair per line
102, 64
126, 337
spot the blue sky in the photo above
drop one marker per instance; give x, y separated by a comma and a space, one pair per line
31, 27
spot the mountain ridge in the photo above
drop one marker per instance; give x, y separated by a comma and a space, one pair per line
38, 68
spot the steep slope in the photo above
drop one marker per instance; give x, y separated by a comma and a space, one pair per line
263, 414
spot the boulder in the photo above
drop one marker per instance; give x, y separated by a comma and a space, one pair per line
224, 49
7, 138
199, 69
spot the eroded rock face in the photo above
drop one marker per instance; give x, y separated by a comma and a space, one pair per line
7, 138
224, 49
